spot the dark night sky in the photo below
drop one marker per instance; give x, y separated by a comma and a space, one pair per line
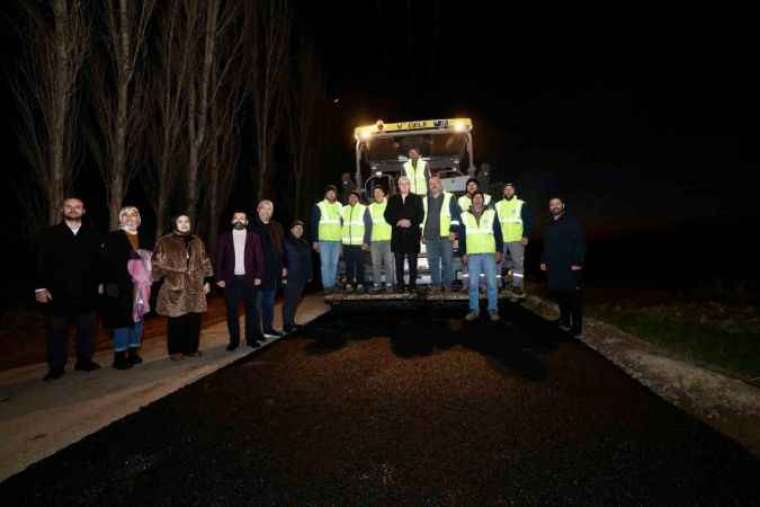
646, 120
643, 118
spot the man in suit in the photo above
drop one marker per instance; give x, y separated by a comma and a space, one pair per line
405, 213
239, 270
67, 287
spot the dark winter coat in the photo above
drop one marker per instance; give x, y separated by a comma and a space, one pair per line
224, 266
271, 236
564, 246
68, 267
297, 260
184, 267
405, 240
118, 288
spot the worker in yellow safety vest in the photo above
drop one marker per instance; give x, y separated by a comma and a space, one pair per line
378, 235
516, 222
417, 171
326, 236
439, 226
353, 229
481, 241
465, 201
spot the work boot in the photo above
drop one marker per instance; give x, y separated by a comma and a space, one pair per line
53, 374
519, 292
375, 289
494, 316
134, 358
472, 316
120, 361
348, 288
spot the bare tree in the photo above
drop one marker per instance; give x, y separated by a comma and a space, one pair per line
56, 39
120, 95
306, 96
222, 150
166, 141
268, 23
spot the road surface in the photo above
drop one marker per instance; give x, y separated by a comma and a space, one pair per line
404, 406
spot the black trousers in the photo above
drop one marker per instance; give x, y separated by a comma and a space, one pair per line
184, 333
570, 309
292, 293
58, 337
354, 264
412, 258
235, 292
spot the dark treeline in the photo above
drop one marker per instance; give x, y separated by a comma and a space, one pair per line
194, 105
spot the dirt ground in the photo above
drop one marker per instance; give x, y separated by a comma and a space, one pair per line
404, 407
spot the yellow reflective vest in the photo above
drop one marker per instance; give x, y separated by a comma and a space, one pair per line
419, 184
510, 218
381, 230
329, 220
353, 224
480, 238
445, 218
465, 202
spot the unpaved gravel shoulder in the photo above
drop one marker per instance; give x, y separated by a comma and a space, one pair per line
730, 405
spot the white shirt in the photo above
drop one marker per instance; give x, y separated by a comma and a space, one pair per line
238, 239
74, 230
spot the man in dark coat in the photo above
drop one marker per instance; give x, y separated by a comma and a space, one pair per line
562, 260
405, 213
298, 264
67, 286
271, 234
239, 270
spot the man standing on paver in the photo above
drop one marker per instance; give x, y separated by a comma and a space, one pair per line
515, 223
327, 235
562, 260
67, 287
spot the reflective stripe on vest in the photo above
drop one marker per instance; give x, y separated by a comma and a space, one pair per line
480, 238
416, 177
381, 230
329, 220
353, 224
465, 202
445, 219
510, 218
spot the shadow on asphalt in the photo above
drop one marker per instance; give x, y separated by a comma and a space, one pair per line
516, 343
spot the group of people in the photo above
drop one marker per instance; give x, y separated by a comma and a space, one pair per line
491, 235
81, 274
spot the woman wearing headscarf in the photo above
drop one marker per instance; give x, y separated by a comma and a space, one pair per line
298, 265
181, 261
126, 274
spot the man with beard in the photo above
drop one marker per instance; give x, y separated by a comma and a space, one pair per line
271, 234
239, 270
416, 169
67, 287
471, 188
562, 260
326, 235
515, 223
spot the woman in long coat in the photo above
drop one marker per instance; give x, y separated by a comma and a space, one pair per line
125, 273
181, 261
405, 214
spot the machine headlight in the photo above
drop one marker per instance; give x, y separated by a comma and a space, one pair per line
460, 126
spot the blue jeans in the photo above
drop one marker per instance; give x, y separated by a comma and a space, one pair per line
329, 253
439, 253
486, 264
265, 297
127, 337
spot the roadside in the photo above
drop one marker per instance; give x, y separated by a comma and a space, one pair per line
660, 361
39, 418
